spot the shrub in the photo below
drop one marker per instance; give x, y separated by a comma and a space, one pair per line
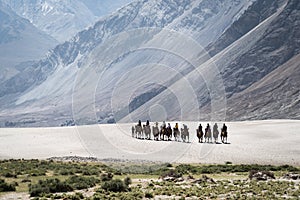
186, 168
171, 173
115, 185
26, 180
77, 182
9, 174
127, 181
48, 186
76, 196
169, 165
106, 177
5, 187
149, 195
66, 172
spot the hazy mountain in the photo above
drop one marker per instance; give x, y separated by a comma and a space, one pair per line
104, 7
20, 41
148, 60
63, 19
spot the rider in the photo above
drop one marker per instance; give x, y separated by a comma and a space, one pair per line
207, 128
163, 124
139, 123
224, 128
185, 127
147, 123
215, 128
176, 126
200, 128
169, 125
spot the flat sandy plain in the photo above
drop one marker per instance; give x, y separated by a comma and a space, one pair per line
274, 142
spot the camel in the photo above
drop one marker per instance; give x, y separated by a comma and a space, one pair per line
207, 134
162, 133
169, 133
200, 135
185, 133
139, 132
176, 134
215, 133
224, 134
147, 131
155, 131
133, 131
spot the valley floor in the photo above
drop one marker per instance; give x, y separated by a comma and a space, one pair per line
261, 142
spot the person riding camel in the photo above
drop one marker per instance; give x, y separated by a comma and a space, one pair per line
207, 128
147, 123
224, 128
139, 123
215, 128
185, 127
176, 126
163, 124
200, 128
169, 125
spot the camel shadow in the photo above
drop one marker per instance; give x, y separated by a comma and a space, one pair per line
226, 143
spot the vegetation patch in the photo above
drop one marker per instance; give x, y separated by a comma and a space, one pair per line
92, 181
5, 187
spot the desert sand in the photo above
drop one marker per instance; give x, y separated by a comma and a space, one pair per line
261, 142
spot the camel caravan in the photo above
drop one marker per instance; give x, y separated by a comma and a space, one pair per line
167, 133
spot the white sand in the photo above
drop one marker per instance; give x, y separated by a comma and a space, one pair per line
262, 142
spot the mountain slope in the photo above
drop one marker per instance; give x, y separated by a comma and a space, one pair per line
55, 80
60, 19
257, 13
135, 15
274, 96
102, 8
279, 43
249, 59
63, 19
20, 41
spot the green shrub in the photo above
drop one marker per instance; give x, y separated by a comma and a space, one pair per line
106, 177
127, 181
9, 174
115, 185
186, 168
76, 196
149, 195
169, 165
5, 187
171, 173
78, 182
66, 172
48, 186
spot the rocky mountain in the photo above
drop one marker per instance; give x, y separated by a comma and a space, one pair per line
273, 97
163, 59
63, 19
20, 41
273, 90
102, 8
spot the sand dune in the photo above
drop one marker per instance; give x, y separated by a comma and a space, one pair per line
262, 142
